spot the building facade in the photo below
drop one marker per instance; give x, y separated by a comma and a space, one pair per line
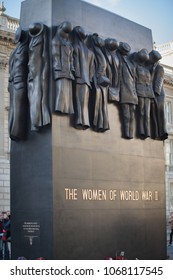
168, 144
166, 51
8, 26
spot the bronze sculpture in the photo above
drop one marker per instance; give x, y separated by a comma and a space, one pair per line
84, 71
88, 71
158, 105
145, 93
101, 82
38, 77
17, 87
113, 68
128, 95
63, 69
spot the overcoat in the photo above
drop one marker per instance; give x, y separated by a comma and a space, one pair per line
17, 87
38, 79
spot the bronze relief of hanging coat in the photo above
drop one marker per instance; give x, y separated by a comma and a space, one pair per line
62, 61
113, 68
158, 106
128, 95
101, 82
17, 87
38, 78
145, 93
84, 68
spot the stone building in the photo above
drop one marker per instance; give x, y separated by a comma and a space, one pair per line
8, 25
166, 51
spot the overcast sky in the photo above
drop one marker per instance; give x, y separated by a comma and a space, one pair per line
154, 14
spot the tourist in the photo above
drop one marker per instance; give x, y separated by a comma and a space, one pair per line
1, 234
171, 228
6, 237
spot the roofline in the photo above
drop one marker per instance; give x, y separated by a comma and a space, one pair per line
9, 17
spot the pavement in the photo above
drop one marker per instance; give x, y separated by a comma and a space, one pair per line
170, 252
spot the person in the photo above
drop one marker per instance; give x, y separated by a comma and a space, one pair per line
120, 256
6, 237
171, 228
1, 234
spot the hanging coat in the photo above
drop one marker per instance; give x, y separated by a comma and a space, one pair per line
62, 62
84, 69
17, 87
38, 79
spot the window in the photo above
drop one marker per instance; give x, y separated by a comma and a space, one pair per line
171, 196
169, 112
168, 145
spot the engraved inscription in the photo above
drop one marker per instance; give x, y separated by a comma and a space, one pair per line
91, 194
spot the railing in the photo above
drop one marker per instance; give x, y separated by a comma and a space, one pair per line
168, 75
8, 23
164, 48
12, 24
168, 70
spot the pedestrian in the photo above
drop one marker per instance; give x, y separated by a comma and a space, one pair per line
171, 228
1, 234
6, 238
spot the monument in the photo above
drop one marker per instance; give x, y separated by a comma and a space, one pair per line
87, 161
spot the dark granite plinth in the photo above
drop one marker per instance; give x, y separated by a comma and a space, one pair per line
81, 194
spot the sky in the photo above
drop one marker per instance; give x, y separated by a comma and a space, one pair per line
156, 15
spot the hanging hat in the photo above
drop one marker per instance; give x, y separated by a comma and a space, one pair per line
124, 48
155, 55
